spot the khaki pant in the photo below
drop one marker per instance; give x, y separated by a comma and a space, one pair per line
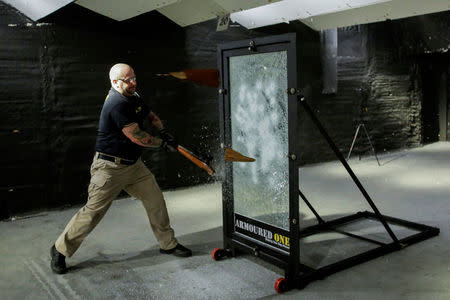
107, 180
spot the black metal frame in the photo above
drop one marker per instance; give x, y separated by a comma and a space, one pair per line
232, 240
424, 231
296, 274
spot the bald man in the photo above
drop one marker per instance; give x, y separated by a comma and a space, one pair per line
117, 166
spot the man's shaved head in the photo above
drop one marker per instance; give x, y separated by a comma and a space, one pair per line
123, 79
118, 70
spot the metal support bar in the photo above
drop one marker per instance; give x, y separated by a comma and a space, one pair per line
347, 167
358, 237
346, 263
249, 246
319, 219
397, 221
424, 233
311, 230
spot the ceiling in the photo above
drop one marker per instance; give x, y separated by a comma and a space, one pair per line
317, 14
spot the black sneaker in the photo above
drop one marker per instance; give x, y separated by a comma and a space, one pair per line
58, 263
178, 250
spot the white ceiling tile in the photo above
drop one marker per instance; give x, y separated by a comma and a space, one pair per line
37, 9
239, 5
395, 9
274, 13
326, 14
318, 14
188, 12
123, 9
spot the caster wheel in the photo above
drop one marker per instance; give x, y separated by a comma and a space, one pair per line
281, 285
218, 253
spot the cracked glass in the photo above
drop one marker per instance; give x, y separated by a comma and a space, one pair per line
259, 129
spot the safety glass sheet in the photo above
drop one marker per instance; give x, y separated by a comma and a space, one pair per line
259, 129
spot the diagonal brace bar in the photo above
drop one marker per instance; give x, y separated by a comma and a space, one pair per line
339, 155
319, 219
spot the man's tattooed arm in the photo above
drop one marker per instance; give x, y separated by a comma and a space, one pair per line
140, 137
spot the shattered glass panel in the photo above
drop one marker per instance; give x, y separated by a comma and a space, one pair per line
259, 129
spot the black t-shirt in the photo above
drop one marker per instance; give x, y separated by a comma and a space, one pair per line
117, 112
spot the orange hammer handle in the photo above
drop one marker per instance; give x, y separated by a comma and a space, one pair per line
191, 156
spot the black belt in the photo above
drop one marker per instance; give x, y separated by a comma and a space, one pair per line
116, 159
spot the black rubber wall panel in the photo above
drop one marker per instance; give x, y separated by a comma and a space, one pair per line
54, 78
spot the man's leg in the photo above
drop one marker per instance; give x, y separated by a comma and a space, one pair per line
147, 190
85, 220
103, 189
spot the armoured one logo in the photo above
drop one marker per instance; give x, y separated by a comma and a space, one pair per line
138, 109
255, 229
281, 239
267, 235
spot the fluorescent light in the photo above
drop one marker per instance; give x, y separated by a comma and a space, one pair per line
279, 12
37, 9
288, 10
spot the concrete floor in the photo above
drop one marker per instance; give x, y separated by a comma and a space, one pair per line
120, 259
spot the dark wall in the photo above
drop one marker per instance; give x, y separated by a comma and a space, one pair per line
387, 79
54, 80
408, 57
24, 152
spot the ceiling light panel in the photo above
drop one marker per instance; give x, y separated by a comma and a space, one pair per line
37, 9
188, 12
123, 9
315, 8
239, 5
279, 12
288, 10
394, 9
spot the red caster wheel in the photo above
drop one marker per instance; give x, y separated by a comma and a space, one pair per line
281, 285
218, 253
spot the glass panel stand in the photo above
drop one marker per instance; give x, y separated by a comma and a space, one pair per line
285, 244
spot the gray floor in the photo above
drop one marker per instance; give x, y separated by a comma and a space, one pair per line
120, 259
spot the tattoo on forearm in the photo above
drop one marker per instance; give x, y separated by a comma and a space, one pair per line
142, 136
138, 133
